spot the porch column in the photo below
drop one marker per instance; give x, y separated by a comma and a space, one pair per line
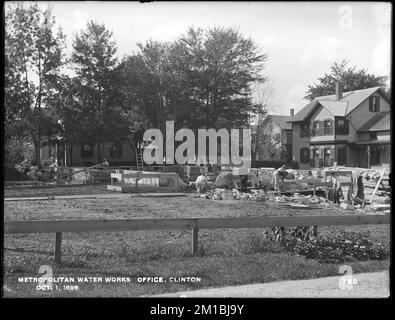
368, 151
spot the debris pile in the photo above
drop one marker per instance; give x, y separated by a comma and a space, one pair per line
300, 201
223, 194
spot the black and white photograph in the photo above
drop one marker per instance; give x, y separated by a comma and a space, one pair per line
196, 150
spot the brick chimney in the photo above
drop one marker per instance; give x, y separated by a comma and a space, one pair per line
292, 112
339, 91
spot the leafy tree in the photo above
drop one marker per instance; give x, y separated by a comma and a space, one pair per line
350, 78
219, 65
93, 109
33, 61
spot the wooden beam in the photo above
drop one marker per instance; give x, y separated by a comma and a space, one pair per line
38, 226
285, 221
377, 185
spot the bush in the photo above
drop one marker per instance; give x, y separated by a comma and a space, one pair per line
338, 247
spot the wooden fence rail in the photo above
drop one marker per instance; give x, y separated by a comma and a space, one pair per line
60, 226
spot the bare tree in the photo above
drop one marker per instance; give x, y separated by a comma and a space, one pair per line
263, 96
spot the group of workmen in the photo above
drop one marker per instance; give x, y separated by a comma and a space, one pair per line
227, 180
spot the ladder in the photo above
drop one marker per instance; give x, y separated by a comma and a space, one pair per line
139, 160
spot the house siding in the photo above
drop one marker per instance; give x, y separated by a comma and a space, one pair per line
128, 155
322, 114
297, 144
360, 115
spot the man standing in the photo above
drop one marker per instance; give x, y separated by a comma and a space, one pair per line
279, 177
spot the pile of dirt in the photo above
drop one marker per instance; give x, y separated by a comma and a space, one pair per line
12, 174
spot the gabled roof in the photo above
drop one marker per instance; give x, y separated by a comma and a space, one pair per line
349, 101
379, 122
281, 121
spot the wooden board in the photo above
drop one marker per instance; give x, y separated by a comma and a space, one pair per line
39, 226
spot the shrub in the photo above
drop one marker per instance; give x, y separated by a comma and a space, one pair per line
338, 247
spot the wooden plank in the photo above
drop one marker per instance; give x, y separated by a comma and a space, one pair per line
147, 175
58, 247
195, 233
377, 185
40, 226
274, 221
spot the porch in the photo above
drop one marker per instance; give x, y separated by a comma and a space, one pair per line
371, 154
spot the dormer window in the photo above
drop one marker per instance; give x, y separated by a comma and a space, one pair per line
342, 126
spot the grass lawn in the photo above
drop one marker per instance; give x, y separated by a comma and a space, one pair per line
226, 257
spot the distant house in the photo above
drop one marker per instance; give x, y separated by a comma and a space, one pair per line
116, 153
274, 138
350, 128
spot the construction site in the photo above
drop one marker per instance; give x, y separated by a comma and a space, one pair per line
104, 193
172, 149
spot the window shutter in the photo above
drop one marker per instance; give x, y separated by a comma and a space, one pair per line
377, 103
371, 103
321, 130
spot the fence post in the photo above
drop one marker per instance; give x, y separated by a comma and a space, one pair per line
194, 241
58, 247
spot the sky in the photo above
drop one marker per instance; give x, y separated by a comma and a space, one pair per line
302, 39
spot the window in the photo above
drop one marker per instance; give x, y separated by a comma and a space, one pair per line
86, 151
304, 155
373, 135
374, 104
304, 130
316, 128
116, 150
328, 127
342, 125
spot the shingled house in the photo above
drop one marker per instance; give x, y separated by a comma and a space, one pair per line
350, 128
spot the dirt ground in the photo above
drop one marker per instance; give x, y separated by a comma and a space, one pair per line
225, 257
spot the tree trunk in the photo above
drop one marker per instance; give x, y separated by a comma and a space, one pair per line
37, 157
98, 153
